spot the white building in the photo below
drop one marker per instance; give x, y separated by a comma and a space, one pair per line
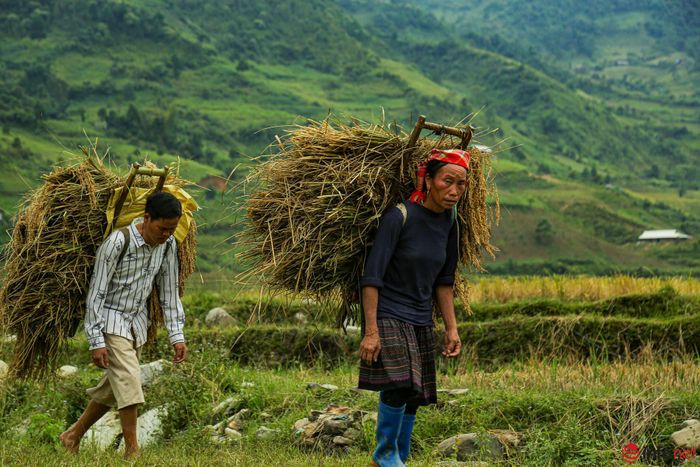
660, 235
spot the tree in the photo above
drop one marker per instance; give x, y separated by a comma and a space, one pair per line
544, 233
654, 171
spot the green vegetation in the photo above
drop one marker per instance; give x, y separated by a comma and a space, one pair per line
566, 412
595, 107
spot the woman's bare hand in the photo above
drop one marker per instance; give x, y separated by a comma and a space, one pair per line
452, 344
370, 347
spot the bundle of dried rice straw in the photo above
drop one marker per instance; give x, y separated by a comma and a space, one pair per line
50, 257
318, 199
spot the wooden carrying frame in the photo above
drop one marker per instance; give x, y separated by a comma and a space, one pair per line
136, 169
465, 133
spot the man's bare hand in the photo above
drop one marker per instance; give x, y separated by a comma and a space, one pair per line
100, 357
180, 352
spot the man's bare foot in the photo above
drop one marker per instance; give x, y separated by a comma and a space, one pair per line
70, 441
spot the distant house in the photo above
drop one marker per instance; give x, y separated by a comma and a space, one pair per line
213, 182
662, 235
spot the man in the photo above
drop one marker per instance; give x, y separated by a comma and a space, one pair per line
128, 264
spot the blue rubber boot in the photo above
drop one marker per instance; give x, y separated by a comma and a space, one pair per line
404, 441
388, 427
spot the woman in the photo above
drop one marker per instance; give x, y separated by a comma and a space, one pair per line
412, 263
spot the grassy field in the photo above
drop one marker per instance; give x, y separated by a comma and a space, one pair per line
573, 414
578, 367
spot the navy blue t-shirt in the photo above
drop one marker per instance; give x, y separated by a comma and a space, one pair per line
407, 261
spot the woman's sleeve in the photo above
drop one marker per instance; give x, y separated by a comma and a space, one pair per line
383, 248
447, 273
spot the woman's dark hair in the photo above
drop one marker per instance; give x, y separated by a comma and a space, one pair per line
431, 169
163, 205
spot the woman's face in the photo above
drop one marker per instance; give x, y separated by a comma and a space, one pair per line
447, 187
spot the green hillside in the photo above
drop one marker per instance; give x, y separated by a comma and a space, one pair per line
213, 82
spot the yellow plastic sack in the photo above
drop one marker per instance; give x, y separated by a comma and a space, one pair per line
135, 206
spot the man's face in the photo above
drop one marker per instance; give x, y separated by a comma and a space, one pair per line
159, 230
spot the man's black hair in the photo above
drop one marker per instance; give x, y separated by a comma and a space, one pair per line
163, 205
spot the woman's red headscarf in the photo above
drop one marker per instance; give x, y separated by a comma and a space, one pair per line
448, 156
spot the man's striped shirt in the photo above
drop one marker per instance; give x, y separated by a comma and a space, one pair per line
119, 291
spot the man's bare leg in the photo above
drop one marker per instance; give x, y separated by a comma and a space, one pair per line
128, 416
72, 436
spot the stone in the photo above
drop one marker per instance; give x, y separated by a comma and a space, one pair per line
237, 425
335, 426
301, 318
689, 436
150, 426
321, 388
241, 415
103, 434
237, 421
247, 384
224, 406
342, 441
315, 414
470, 446
266, 433
218, 428
509, 439
150, 371
453, 392
4, 369
219, 317
265, 415
353, 329
66, 371
233, 434
299, 425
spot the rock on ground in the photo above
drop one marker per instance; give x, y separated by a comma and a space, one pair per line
266, 433
4, 369
150, 371
453, 392
301, 318
219, 317
320, 388
471, 446
224, 408
688, 437
149, 427
334, 427
66, 371
233, 434
103, 434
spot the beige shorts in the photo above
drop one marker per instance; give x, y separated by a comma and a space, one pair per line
121, 385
